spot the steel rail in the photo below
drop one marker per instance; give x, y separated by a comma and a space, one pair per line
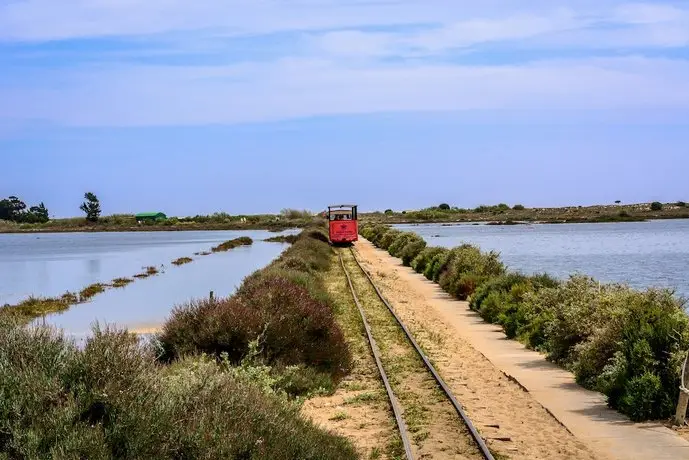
376, 355
458, 407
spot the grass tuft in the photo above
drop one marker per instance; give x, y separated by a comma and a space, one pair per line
182, 261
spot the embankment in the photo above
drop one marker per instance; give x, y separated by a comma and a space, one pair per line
624, 343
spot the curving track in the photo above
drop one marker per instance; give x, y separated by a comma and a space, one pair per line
481, 450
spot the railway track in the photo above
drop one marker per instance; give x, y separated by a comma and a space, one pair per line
431, 422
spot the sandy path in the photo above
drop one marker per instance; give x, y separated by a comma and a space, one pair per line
514, 424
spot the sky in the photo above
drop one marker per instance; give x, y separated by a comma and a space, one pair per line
249, 106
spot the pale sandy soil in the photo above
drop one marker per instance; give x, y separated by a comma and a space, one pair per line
514, 424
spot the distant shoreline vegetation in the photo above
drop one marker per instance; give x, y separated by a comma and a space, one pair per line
503, 214
288, 218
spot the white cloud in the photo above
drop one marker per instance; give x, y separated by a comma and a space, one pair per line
343, 65
299, 88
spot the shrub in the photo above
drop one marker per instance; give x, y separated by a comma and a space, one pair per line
465, 268
433, 267
423, 258
395, 248
518, 207
111, 400
231, 244
386, 239
681, 204
182, 261
444, 207
292, 327
656, 206
389, 211
411, 250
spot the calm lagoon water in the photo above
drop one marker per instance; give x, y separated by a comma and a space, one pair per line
643, 254
50, 264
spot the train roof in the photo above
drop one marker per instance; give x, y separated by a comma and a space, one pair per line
342, 206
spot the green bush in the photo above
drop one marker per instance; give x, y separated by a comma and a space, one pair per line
411, 250
656, 206
466, 268
110, 399
681, 204
423, 258
518, 207
386, 239
401, 240
433, 267
625, 343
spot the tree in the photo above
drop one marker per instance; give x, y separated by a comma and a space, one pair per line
91, 207
12, 209
518, 207
618, 202
39, 213
389, 211
444, 207
656, 206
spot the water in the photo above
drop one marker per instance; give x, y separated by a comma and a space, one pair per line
642, 254
50, 264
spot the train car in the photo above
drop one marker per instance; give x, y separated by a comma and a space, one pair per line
343, 223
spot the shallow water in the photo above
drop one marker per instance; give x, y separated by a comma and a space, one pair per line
50, 264
642, 254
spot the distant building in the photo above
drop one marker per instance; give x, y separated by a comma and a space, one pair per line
150, 217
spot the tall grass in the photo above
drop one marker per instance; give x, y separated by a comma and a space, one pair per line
110, 399
625, 343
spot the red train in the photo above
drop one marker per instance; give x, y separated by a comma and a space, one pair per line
343, 223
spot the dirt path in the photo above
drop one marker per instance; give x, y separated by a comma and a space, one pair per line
514, 424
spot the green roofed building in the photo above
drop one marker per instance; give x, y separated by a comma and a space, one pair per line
150, 217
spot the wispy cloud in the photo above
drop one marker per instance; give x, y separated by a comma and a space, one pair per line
126, 62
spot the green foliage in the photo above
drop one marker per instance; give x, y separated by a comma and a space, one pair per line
91, 207
656, 206
518, 207
386, 239
681, 204
284, 307
411, 250
444, 207
13, 209
231, 244
389, 211
628, 344
110, 399
423, 258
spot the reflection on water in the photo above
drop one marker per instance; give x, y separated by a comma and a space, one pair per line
55, 263
643, 254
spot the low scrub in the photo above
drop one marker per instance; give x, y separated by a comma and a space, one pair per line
284, 307
91, 291
625, 343
231, 244
182, 261
282, 239
110, 399
121, 282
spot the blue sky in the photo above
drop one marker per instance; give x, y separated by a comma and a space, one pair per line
253, 106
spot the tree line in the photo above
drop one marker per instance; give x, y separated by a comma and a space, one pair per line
14, 209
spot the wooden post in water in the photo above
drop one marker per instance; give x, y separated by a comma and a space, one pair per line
681, 414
